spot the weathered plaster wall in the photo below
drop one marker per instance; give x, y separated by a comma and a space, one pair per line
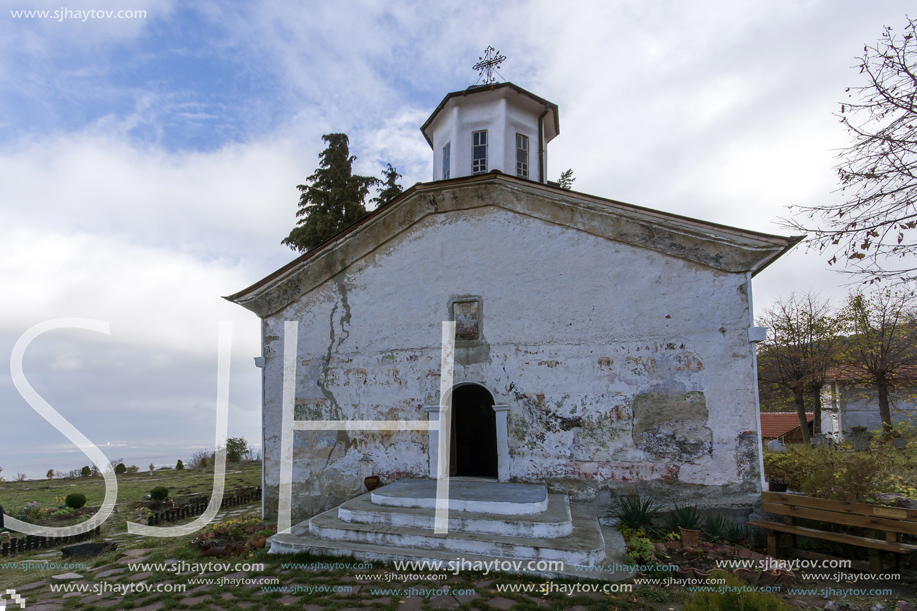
847, 405
625, 369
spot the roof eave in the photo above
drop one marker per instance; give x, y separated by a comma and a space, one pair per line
555, 112
251, 295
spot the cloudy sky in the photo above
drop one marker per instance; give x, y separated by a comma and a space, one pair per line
148, 165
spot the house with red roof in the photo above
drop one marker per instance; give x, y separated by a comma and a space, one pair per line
783, 426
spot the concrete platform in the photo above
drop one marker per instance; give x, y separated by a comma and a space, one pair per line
396, 523
611, 568
584, 546
553, 522
466, 494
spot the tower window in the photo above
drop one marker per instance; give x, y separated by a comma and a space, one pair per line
479, 152
522, 156
447, 153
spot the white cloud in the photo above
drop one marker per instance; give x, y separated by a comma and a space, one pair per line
716, 110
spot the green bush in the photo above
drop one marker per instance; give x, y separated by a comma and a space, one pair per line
159, 493
688, 517
636, 513
120, 469
639, 548
179, 466
75, 500
735, 532
735, 596
715, 527
847, 476
85, 471
787, 467
841, 474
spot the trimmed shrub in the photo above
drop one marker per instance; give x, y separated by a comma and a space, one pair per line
159, 493
75, 500
179, 466
120, 469
85, 471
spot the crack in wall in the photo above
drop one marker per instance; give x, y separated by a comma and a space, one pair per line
342, 439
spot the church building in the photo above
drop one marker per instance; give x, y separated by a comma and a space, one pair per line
601, 348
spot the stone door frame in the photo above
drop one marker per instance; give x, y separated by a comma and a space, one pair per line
501, 412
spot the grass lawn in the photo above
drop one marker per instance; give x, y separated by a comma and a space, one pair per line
14, 495
131, 489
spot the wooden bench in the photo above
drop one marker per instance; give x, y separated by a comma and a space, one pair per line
893, 521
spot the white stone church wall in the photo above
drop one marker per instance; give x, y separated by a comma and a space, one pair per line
625, 369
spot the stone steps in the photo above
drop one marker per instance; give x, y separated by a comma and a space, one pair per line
611, 568
466, 494
584, 546
553, 522
521, 526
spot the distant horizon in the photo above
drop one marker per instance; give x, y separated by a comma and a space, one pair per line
35, 465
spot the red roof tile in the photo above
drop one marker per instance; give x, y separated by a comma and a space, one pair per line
778, 424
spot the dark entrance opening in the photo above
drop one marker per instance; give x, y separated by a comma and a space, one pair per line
474, 432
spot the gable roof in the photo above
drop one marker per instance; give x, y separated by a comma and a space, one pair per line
717, 246
777, 424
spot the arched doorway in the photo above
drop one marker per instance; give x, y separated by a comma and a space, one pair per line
474, 432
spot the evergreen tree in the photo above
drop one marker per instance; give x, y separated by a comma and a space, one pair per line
389, 189
566, 179
333, 199
236, 449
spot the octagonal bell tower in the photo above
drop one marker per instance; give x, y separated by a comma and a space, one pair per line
489, 127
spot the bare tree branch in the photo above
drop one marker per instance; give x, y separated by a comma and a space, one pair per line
877, 224
799, 349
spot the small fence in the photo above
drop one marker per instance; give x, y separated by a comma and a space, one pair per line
34, 542
196, 509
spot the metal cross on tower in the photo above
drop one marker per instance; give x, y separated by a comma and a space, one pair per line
489, 64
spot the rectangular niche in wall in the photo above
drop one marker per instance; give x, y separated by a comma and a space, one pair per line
467, 314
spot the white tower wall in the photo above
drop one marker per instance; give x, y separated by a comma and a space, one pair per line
502, 112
